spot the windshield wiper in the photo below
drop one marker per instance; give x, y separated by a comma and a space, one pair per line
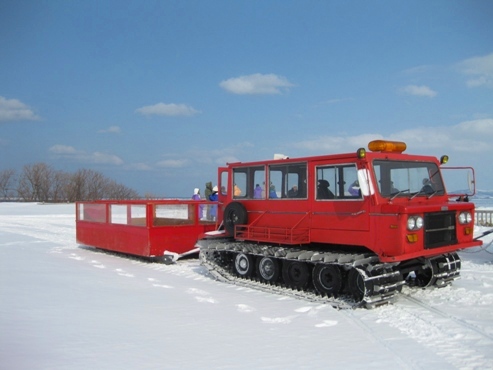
398, 193
424, 192
432, 194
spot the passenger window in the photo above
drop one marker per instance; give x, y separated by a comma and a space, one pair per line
350, 176
224, 183
325, 177
275, 184
259, 183
287, 181
337, 182
239, 183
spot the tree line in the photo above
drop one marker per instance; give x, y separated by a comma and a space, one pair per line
39, 182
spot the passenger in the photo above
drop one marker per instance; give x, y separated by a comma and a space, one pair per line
427, 186
257, 192
213, 208
272, 191
293, 192
196, 196
463, 198
354, 189
237, 191
207, 194
323, 191
393, 189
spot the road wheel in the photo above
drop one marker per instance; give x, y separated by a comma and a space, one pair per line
268, 269
356, 284
296, 274
243, 265
327, 279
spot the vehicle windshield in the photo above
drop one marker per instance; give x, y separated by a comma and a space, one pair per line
407, 179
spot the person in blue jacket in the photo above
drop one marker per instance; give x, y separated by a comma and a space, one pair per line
213, 198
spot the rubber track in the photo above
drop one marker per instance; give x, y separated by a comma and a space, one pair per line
382, 280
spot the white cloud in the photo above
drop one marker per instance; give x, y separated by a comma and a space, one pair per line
419, 91
69, 152
139, 167
479, 69
105, 158
479, 126
173, 163
338, 101
162, 109
15, 110
62, 149
110, 130
336, 144
256, 84
465, 137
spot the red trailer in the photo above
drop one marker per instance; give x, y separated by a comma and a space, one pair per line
161, 230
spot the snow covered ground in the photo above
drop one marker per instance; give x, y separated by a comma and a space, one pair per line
63, 306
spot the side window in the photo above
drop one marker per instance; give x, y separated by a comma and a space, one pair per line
224, 183
287, 181
337, 182
275, 183
326, 177
239, 183
350, 176
259, 183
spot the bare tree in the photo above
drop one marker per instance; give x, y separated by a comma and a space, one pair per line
6, 183
97, 186
119, 191
39, 182
59, 186
35, 182
76, 186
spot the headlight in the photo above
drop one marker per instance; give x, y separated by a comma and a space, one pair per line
414, 223
465, 218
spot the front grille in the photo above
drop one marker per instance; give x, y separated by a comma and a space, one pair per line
439, 229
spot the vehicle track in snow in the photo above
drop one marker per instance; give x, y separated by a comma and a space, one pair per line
459, 342
57, 229
459, 321
403, 360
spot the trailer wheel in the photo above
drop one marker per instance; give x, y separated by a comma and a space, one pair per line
327, 279
296, 274
234, 214
243, 265
268, 269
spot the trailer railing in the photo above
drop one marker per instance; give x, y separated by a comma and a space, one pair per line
483, 218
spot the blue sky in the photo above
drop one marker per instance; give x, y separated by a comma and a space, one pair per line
158, 94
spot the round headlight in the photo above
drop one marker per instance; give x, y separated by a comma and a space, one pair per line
411, 223
414, 223
465, 218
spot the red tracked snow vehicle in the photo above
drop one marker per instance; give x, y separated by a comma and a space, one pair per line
349, 229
